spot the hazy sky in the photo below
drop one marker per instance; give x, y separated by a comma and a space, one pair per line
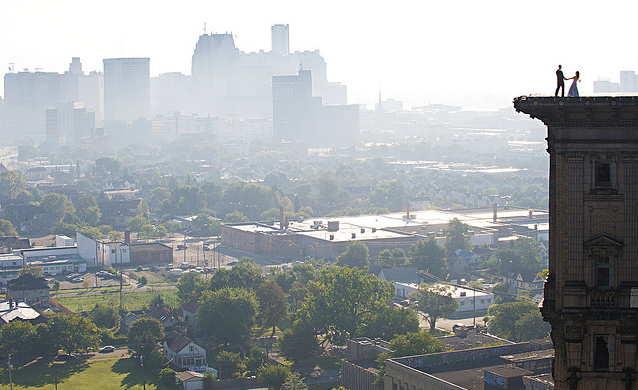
478, 54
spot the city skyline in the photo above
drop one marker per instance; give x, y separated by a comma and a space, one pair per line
461, 53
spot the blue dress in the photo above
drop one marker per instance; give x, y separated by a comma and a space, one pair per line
573, 90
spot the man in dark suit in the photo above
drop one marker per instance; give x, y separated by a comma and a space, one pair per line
560, 82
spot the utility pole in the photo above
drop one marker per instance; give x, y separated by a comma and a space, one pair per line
10, 368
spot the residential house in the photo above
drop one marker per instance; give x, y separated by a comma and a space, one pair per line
127, 322
190, 379
183, 352
189, 313
400, 277
29, 289
462, 261
12, 310
164, 316
525, 280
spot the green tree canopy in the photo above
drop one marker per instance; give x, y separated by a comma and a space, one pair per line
389, 194
457, 235
272, 304
523, 253
435, 301
144, 335
104, 316
420, 342
12, 183
430, 256
229, 313
356, 255
19, 338
341, 300
189, 286
6, 229
72, 333
273, 375
57, 204
387, 322
517, 321
245, 274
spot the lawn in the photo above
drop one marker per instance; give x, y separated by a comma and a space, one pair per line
80, 374
132, 300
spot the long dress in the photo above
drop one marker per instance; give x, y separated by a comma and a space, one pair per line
573, 90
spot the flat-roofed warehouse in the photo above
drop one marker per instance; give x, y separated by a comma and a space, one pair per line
328, 237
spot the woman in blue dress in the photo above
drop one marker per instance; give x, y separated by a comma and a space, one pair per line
573, 90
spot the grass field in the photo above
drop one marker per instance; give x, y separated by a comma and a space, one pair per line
81, 374
132, 300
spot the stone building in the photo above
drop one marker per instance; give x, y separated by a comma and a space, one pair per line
591, 294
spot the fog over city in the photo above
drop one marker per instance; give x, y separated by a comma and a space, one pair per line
473, 54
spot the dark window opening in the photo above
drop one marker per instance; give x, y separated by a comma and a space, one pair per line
603, 174
603, 271
601, 357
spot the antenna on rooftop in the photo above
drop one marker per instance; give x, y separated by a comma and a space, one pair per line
11, 66
204, 28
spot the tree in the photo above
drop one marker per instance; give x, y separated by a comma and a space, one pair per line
18, 338
356, 255
34, 270
91, 232
420, 342
388, 194
229, 313
205, 226
86, 284
245, 274
57, 204
386, 322
72, 334
517, 321
523, 253
341, 300
88, 211
294, 382
298, 342
104, 316
11, 183
115, 236
144, 335
6, 229
394, 258
457, 235
435, 301
229, 365
189, 286
209, 379
429, 255
272, 304
187, 200
235, 216
273, 375
167, 376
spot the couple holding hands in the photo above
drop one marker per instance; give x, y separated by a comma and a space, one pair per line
560, 80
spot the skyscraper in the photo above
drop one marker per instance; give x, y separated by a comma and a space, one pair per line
280, 39
591, 293
127, 91
294, 109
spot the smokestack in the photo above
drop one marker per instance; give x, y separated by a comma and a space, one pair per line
495, 210
281, 218
127, 236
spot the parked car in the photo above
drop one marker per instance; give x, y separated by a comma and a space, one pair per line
77, 280
185, 266
232, 263
107, 349
3, 290
181, 246
72, 276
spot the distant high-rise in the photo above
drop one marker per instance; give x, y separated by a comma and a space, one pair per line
127, 91
280, 39
294, 109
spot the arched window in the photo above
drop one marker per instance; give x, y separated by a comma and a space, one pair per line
601, 354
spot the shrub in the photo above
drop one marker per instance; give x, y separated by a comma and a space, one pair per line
273, 375
209, 379
143, 280
167, 376
139, 268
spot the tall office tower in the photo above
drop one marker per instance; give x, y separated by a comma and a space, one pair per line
591, 293
280, 39
127, 91
628, 81
293, 107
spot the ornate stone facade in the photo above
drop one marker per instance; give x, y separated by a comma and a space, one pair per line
591, 294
